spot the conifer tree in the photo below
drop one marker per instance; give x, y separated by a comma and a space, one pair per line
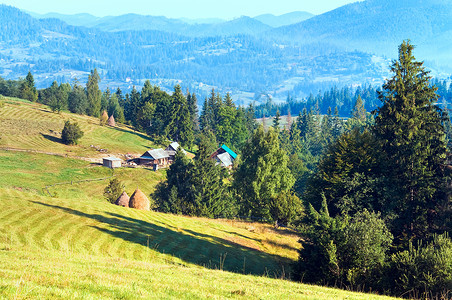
180, 127
28, 90
77, 101
93, 94
209, 196
277, 120
262, 174
408, 125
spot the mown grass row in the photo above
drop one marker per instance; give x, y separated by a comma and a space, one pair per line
35, 127
70, 248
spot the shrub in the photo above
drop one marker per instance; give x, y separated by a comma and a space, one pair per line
345, 251
71, 133
422, 272
113, 190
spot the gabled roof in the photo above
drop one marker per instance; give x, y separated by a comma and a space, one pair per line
155, 154
226, 159
232, 153
174, 145
111, 158
172, 148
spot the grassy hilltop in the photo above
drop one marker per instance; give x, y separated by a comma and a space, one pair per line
74, 244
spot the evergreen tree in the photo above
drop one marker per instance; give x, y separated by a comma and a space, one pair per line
193, 108
93, 94
276, 120
408, 125
180, 127
28, 90
209, 195
77, 101
172, 195
71, 133
262, 175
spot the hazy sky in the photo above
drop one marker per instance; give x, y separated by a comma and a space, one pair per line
225, 9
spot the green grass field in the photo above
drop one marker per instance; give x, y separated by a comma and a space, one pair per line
74, 244
33, 126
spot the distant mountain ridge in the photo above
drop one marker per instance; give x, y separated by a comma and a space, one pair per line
187, 27
378, 26
285, 19
351, 45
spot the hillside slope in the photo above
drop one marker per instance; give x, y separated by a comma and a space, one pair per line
67, 248
33, 126
379, 26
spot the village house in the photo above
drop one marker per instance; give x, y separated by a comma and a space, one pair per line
171, 150
111, 162
157, 158
224, 157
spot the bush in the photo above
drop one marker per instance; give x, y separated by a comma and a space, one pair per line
344, 251
422, 272
113, 190
71, 133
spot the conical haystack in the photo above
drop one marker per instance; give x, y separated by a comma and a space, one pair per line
111, 121
139, 201
104, 118
123, 200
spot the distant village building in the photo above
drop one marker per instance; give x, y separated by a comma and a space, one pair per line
157, 158
224, 157
112, 162
171, 150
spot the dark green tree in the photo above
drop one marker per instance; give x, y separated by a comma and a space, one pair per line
71, 133
113, 190
173, 194
262, 175
409, 128
93, 94
277, 120
77, 101
27, 89
209, 194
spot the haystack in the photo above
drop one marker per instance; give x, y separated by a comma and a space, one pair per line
111, 121
104, 118
139, 201
123, 200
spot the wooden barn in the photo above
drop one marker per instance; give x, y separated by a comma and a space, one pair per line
111, 162
171, 150
224, 157
157, 158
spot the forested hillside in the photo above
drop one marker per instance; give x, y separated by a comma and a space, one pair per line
243, 57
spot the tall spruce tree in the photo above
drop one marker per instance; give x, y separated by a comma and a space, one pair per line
209, 195
180, 128
93, 94
27, 89
408, 125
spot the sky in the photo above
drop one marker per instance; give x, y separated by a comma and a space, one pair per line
192, 9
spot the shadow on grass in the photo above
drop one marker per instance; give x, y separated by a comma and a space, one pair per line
52, 138
190, 246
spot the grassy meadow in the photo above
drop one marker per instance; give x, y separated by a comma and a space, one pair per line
74, 244
33, 126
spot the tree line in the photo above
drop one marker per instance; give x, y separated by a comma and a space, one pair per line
370, 195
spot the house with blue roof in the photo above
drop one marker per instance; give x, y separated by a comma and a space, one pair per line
224, 157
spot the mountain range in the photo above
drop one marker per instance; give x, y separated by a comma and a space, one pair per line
187, 27
253, 58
